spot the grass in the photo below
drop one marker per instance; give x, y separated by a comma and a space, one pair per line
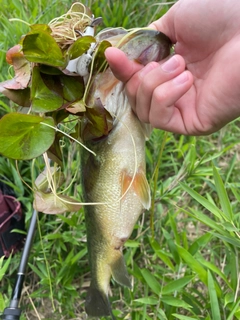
183, 254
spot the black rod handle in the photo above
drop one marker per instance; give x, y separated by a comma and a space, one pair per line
17, 290
11, 314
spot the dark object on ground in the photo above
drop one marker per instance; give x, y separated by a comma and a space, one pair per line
11, 217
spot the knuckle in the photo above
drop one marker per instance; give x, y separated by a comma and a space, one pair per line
160, 96
147, 87
131, 89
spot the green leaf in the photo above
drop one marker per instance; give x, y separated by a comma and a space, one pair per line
228, 298
151, 281
80, 46
216, 315
229, 239
24, 137
235, 311
53, 236
161, 254
20, 97
96, 123
40, 47
223, 197
172, 246
193, 264
175, 302
148, 300
230, 226
37, 271
43, 268
205, 219
4, 267
99, 60
215, 269
204, 202
161, 315
41, 28
132, 244
178, 316
43, 98
2, 302
175, 285
69, 221
199, 243
79, 256
73, 87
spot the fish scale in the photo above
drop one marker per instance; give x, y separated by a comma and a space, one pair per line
116, 175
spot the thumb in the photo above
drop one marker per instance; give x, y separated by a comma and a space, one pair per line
121, 66
166, 23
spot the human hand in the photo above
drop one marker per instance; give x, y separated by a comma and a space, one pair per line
196, 91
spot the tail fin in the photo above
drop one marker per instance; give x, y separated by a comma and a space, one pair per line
97, 304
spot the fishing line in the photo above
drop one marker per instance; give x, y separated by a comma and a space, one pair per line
23, 181
130, 32
49, 175
73, 18
89, 83
52, 185
53, 188
70, 137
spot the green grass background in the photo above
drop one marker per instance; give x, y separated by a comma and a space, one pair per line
183, 254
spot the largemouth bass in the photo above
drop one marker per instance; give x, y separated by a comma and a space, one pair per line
115, 177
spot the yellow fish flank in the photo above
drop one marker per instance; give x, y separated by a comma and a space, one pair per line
116, 175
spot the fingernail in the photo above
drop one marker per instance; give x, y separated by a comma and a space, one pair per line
170, 65
182, 78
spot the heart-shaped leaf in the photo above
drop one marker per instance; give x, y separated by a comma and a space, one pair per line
14, 93
97, 122
49, 203
40, 47
99, 60
43, 98
24, 136
21, 66
80, 46
52, 173
73, 87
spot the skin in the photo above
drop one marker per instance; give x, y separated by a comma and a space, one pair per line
196, 91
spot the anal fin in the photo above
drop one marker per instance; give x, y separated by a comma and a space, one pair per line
119, 271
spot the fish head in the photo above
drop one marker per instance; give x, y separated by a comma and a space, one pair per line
142, 45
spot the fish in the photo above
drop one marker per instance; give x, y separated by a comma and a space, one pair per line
114, 179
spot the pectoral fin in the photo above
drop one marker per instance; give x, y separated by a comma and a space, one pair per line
140, 186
